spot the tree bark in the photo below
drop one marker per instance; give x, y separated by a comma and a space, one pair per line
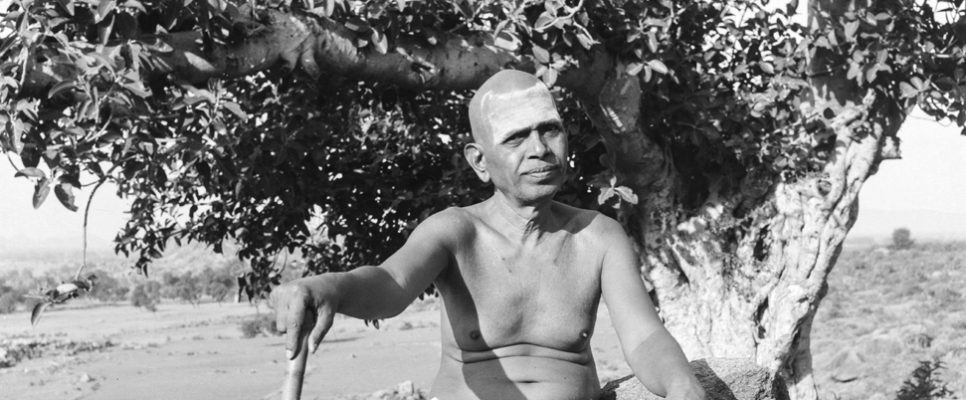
749, 287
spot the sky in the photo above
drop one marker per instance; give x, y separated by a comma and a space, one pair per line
924, 192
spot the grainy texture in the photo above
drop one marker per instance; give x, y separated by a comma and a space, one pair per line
723, 379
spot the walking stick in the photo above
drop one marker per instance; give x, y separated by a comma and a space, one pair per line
292, 388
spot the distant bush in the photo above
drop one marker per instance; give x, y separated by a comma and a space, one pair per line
901, 239
217, 283
262, 324
147, 295
8, 302
108, 288
924, 384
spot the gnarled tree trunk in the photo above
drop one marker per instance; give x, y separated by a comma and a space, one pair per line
749, 286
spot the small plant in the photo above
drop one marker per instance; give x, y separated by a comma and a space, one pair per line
924, 384
901, 239
147, 295
262, 324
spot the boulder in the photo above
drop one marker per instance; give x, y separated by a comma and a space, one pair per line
722, 378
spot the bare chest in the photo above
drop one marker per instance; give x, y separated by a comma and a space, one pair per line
500, 293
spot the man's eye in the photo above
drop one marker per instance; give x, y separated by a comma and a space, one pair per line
514, 140
553, 132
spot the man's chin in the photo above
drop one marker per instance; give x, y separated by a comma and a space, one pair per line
539, 193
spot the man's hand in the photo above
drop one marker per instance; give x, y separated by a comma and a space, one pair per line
688, 390
304, 307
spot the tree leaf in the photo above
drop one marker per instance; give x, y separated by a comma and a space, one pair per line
918, 83
32, 172
507, 41
767, 68
657, 66
634, 68
104, 8
871, 73
605, 194
64, 85
465, 8
550, 76
37, 312
541, 55
135, 5
68, 6
236, 109
358, 25
379, 42
65, 194
199, 63
907, 90
585, 40
626, 194
850, 29
322, 11
544, 21
41, 190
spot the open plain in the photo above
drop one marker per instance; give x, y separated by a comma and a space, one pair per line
886, 311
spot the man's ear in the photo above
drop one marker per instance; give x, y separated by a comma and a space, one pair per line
474, 155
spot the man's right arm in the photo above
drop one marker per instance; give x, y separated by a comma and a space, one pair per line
308, 305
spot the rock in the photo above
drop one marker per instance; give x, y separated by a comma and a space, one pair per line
406, 388
847, 366
85, 378
722, 378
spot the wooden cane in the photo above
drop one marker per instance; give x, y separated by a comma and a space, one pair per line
292, 388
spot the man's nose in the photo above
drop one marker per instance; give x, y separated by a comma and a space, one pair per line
537, 146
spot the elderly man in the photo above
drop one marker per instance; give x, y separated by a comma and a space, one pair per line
520, 275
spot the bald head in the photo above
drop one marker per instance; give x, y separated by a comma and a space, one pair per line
499, 103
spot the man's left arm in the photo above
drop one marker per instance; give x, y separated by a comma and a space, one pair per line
654, 356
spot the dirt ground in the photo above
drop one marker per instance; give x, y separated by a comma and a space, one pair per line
186, 352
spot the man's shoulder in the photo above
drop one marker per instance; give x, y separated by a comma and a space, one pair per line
591, 222
449, 221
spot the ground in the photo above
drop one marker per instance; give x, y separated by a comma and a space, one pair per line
885, 311
188, 352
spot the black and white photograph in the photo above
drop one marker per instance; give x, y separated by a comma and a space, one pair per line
482, 199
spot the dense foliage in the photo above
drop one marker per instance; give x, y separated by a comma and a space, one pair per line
295, 155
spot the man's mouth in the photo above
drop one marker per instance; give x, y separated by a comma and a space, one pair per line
545, 170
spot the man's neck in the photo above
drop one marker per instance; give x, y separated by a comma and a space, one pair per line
526, 218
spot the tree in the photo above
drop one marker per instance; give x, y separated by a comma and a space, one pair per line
901, 239
147, 295
217, 284
730, 140
108, 288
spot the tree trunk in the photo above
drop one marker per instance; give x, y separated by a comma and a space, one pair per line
749, 286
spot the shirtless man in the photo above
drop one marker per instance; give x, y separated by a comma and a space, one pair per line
520, 275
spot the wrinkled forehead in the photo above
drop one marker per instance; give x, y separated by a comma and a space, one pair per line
508, 112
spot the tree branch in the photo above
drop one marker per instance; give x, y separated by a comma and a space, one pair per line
319, 44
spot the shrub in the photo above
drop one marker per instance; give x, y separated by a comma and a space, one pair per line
8, 302
262, 324
901, 239
108, 288
147, 295
924, 384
